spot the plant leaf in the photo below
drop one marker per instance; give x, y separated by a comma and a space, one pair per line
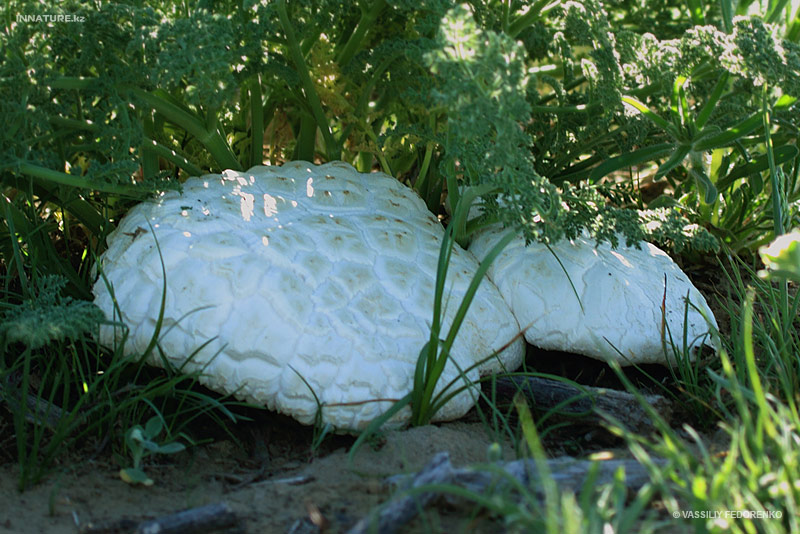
674, 160
730, 135
664, 124
712, 101
153, 427
759, 164
134, 475
630, 159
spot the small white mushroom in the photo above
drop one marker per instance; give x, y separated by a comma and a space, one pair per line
599, 302
298, 278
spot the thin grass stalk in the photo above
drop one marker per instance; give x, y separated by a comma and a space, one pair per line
540, 458
775, 175
437, 355
15, 249
256, 121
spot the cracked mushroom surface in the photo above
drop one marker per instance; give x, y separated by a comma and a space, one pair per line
289, 279
624, 304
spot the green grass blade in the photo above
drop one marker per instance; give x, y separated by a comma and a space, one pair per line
376, 424
674, 160
312, 98
704, 184
713, 100
16, 252
173, 111
695, 8
664, 124
775, 173
777, 11
423, 417
759, 164
793, 29
679, 107
39, 172
540, 457
727, 14
730, 135
752, 369
631, 159
173, 156
461, 212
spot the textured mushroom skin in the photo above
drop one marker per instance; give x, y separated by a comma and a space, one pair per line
621, 291
299, 270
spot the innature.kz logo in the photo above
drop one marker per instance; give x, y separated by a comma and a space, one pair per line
50, 18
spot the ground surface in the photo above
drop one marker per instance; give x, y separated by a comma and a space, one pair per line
275, 482
271, 488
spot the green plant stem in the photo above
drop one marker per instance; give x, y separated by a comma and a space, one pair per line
775, 175
306, 138
256, 121
305, 80
77, 206
696, 12
72, 180
367, 89
158, 101
385, 167
753, 373
20, 424
173, 156
793, 30
727, 15
366, 22
361, 110
422, 177
532, 15
149, 159
777, 189
211, 139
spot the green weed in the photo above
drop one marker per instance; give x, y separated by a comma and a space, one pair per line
141, 443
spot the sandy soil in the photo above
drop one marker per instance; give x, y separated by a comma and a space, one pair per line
272, 479
271, 488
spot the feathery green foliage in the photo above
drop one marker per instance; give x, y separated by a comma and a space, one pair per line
48, 317
522, 98
564, 115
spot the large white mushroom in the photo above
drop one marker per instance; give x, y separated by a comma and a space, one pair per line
627, 304
298, 278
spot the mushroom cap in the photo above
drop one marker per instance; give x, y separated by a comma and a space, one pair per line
614, 310
284, 280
